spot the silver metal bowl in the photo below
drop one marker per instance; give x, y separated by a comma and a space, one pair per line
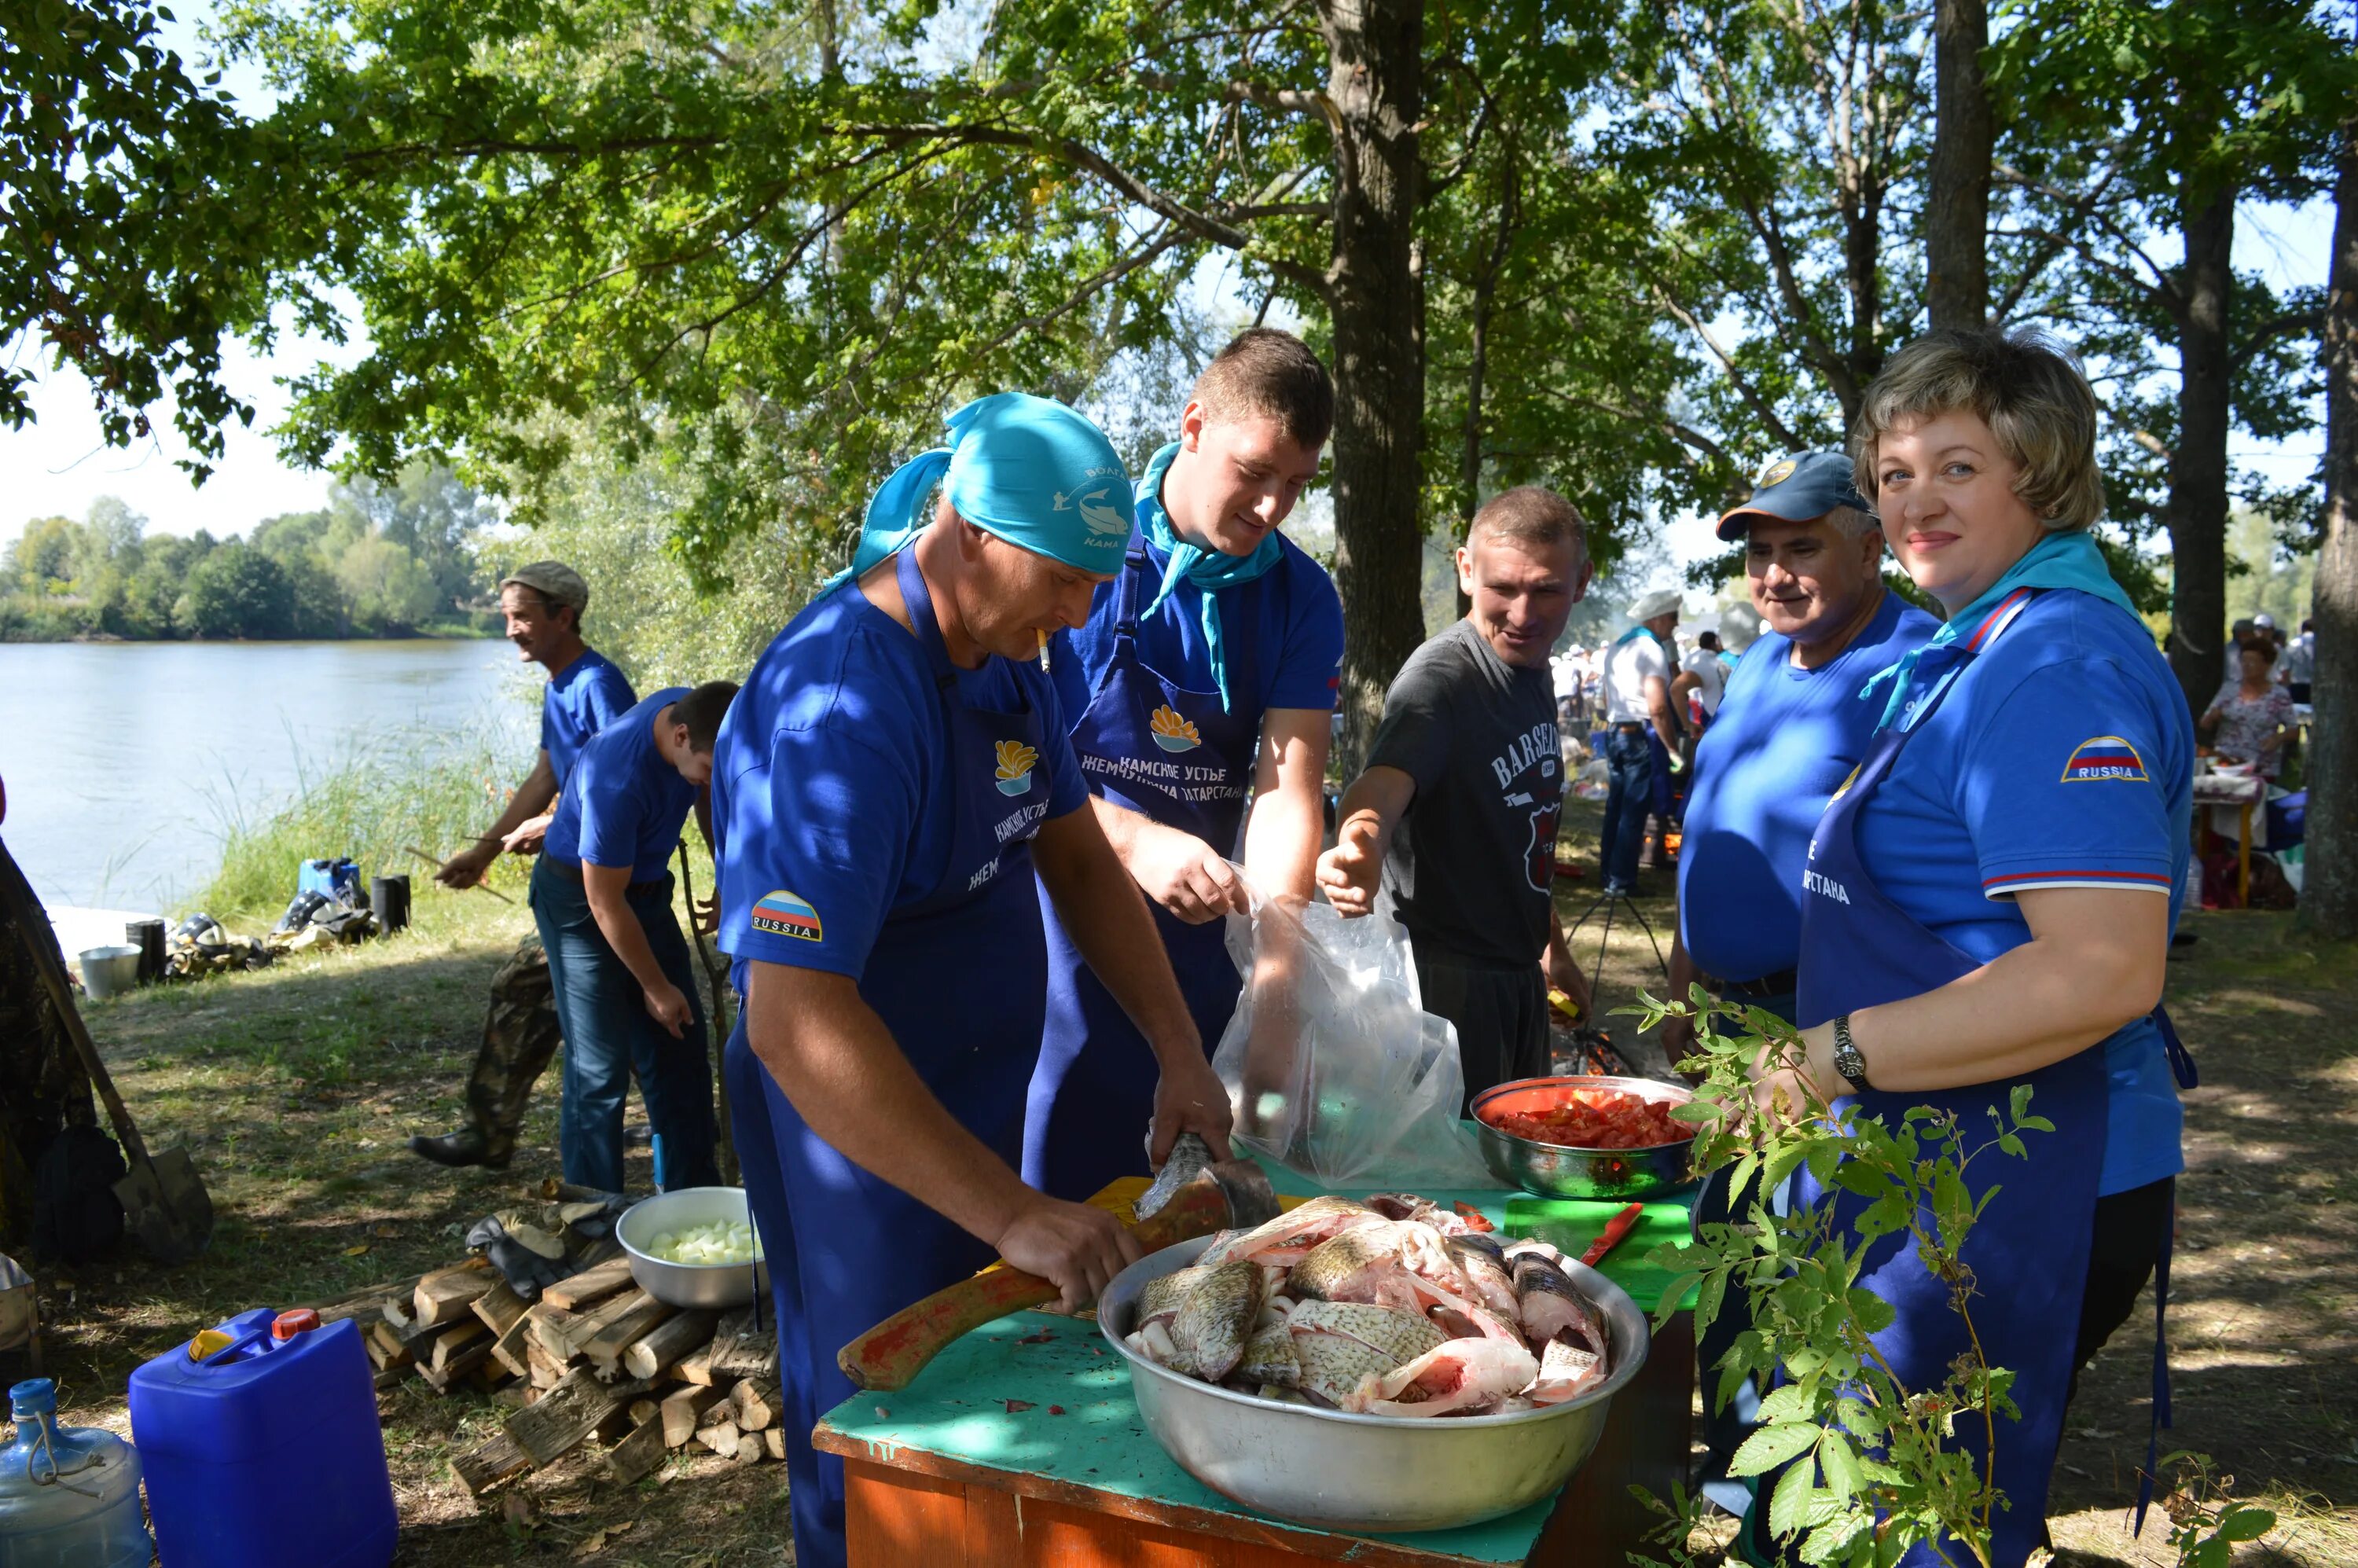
1557, 1171
1338, 1471
719, 1285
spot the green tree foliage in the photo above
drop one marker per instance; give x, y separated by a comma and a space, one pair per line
238, 590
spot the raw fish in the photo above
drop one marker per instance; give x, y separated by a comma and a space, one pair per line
1217, 1317
1549, 1305
1458, 1374
1566, 1372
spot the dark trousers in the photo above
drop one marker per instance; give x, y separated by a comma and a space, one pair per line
610, 1035
1500, 1012
1628, 796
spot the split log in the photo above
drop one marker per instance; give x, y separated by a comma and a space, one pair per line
499, 1307
723, 1437
757, 1404
605, 1349
488, 1462
446, 1293
678, 1336
558, 1422
365, 1302
544, 1370
644, 1410
509, 1349
451, 1342
743, 1345
773, 1441
638, 1454
696, 1368
579, 1290
388, 1378
683, 1412
441, 1379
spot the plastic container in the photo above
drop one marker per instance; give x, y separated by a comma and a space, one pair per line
69, 1494
265, 1452
339, 879
109, 971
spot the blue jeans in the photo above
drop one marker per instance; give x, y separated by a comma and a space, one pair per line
1630, 795
608, 1035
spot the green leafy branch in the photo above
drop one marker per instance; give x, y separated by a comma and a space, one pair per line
1865, 1467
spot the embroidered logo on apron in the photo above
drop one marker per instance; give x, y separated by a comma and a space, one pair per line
1016, 760
1172, 733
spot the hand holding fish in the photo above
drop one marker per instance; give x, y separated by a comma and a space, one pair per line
1075, 1248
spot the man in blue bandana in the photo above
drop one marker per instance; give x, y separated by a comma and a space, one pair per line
887, 782
1206, 670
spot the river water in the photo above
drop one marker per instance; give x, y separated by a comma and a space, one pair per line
123, 760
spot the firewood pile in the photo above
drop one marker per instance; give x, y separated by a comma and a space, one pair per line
594, 1357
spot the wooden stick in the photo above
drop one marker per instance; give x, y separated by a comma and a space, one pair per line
605, 1351
499, 1307
445, 1294
509, 1349
455, 1340
484, 886
579, 1291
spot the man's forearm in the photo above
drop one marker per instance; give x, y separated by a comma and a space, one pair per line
1380, 796
1282, 840
619, 923
847, 1077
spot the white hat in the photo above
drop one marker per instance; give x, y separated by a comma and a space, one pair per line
1661, 602
2263, 621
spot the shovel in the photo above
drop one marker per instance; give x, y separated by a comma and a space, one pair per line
164, 1200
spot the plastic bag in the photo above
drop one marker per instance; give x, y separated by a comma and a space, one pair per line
1333, 1067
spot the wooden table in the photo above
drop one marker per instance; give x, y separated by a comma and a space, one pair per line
944, 1472
2243, 791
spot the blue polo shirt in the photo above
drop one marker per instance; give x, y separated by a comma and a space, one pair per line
1283, 633
1784, 740
2062, 756
624, 804
581, 700
832, 786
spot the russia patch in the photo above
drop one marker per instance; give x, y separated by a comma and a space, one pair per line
2106, 757
783, 914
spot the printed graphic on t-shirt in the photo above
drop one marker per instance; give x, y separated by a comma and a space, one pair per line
1539, 858
1016, 762
783, 913
1172, 733
2106, 757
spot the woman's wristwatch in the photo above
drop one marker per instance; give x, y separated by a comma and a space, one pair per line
1848, 1061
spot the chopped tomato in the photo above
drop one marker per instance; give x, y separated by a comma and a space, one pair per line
1595, 1118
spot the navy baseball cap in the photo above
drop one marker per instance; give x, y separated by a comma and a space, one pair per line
1796, 488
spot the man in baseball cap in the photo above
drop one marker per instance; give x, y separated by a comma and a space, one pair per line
542, 603
1789, 730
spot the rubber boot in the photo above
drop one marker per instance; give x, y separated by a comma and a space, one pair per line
465, 1147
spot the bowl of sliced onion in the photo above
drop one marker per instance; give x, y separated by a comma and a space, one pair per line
693, 1246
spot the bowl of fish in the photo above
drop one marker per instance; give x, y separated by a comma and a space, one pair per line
1377, 1365
1585, 1136
693, 1246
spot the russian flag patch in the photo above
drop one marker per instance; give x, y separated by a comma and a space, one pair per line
2106, 757
783, 914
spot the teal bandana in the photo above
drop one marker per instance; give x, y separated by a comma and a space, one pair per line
1209, 571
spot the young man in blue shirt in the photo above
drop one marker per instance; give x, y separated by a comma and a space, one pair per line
542, 603
1206, 670
625, 990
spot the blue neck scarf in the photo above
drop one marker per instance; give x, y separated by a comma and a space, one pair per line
2069, 560
1029, 469
1209, 571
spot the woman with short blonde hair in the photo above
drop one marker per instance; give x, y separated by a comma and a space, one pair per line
1989, 900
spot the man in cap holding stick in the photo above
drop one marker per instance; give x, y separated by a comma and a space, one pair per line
887, 783
543, 603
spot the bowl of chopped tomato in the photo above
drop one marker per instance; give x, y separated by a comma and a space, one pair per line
1585, 1136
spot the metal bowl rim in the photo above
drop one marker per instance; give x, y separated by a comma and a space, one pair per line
1678, 1094
1593, 1284
681, 1192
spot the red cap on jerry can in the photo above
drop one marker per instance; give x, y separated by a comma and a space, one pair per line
287, 1325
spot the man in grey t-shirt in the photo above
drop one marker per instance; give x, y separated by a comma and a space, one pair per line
1451, 825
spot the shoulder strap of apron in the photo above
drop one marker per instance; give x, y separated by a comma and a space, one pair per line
1134, 566
921, 618
2182, 1069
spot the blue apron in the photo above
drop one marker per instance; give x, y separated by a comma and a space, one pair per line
957, 975
1172, 754
2029, 1252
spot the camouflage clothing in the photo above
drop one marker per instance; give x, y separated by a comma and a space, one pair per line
520, 1038
43, 1089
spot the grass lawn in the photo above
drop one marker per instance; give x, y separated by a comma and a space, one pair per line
295, 1087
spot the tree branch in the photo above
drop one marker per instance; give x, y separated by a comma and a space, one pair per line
1744, 388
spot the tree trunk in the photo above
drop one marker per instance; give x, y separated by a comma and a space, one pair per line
1956, 214
2197, 508
2329, 896
1375, 53
1477, 365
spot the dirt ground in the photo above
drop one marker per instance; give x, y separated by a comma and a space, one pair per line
295, 1088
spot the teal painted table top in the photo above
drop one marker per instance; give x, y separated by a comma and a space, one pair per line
1039, 1396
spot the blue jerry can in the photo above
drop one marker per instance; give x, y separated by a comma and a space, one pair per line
339, 879
262, 1448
